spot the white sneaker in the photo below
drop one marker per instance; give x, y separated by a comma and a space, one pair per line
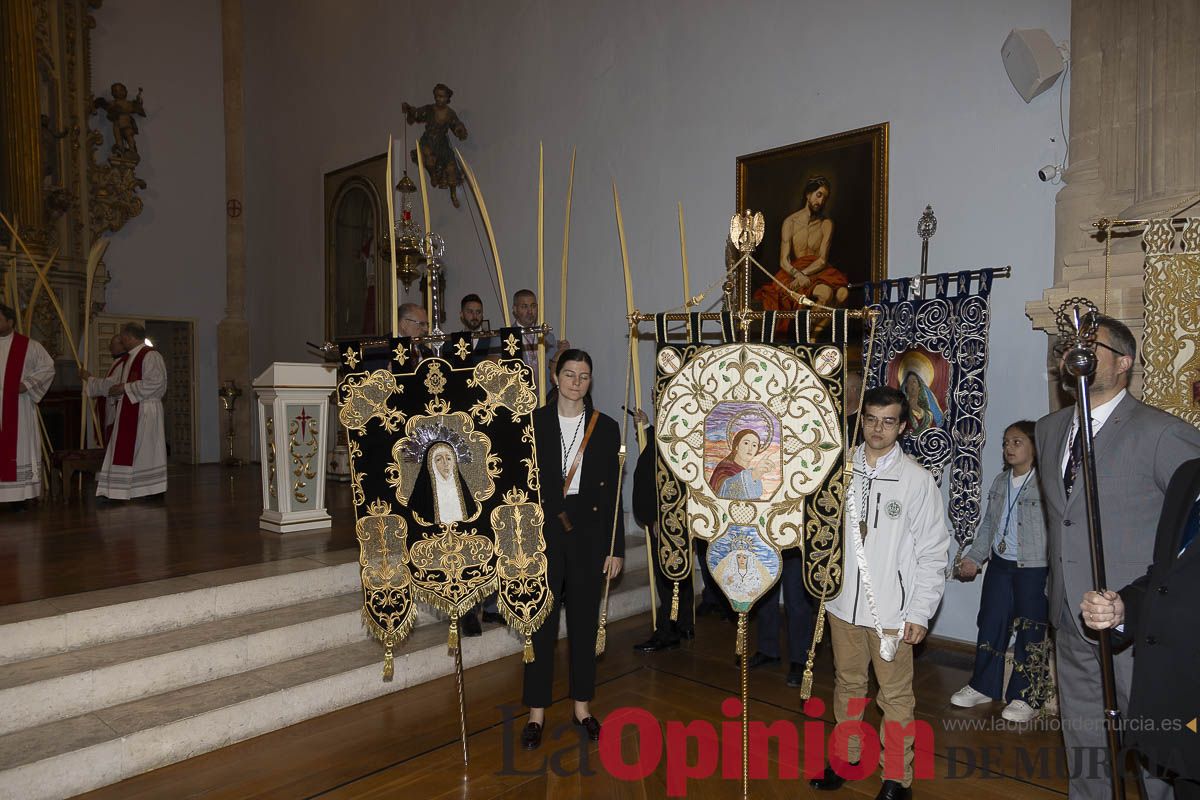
1019, 711
967, 697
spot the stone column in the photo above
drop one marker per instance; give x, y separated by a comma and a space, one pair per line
1135, 106
20, 147
233, 332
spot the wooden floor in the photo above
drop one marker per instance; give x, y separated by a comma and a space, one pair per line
208, 521
407, 744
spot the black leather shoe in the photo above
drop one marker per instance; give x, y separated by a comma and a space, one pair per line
687, 632
795, 675
531, 736
892, 790
470, 625
493, 616
655, 644
589, 724
830, 780
757, 660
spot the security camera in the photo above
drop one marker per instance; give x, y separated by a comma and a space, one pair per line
1050, 172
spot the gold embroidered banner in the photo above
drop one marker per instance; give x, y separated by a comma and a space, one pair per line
1171, 342
445, 486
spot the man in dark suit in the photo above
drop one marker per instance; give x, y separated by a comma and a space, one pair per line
1156, 614
1138, 449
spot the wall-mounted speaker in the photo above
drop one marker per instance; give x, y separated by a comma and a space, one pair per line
1032, 60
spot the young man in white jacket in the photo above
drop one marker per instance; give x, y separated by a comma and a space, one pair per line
896, 529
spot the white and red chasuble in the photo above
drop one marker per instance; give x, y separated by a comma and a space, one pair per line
106, 407
22, 362
135, 463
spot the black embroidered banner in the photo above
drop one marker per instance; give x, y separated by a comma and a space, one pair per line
935, 351
445, 483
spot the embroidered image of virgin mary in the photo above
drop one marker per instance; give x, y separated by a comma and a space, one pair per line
440, 494
748, 434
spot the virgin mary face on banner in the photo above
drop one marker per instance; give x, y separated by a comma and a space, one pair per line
923, 409
737, 477
440, 494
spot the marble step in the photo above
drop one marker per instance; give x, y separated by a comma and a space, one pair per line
61, 624
40, 690
69, 756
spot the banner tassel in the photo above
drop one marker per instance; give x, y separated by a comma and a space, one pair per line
452, 642
806, 682
602, 635
527, 658
389, 662
675, 603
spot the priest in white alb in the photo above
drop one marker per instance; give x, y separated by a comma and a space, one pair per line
135, 462
26, 371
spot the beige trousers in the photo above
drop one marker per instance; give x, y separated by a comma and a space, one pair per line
855, 649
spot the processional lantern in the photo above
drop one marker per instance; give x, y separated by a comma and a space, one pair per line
410, 254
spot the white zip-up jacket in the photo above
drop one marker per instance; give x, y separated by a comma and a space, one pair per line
906, 547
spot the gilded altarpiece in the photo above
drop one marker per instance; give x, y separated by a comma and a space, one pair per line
1171, 342
64, 179
445, 485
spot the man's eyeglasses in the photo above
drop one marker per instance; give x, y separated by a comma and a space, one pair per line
417, 322
1110, 349
872, 421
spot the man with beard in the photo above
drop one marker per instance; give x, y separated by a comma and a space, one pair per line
525, 314
803, 255
1137, 450
471, 314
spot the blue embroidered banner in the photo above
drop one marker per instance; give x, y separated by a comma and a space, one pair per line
935, 351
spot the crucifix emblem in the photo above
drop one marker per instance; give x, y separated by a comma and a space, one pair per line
303, 418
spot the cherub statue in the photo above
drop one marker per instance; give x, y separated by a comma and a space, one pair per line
440, 120
120, 114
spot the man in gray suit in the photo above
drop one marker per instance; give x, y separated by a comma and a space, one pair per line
1138, 449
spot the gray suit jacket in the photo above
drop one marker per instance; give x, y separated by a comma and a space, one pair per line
1137, 451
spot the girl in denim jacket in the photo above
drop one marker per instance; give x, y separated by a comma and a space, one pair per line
1013, 537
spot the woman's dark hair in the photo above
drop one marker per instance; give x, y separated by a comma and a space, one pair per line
572, 354
1028, 428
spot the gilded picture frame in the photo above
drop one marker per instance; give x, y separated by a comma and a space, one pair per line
839, 246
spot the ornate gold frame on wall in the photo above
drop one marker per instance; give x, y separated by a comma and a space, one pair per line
368, 175
864, 176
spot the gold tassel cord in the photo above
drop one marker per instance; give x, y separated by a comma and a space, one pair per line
452, 640
847, 478
389, 662
601, 633
675, 603
745, 710
527, 656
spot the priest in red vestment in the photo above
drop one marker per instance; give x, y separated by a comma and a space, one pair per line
135, 463
26, 372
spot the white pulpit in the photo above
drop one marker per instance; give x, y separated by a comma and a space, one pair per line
293, 402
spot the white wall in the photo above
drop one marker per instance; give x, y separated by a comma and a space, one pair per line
170, 260
662, 97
